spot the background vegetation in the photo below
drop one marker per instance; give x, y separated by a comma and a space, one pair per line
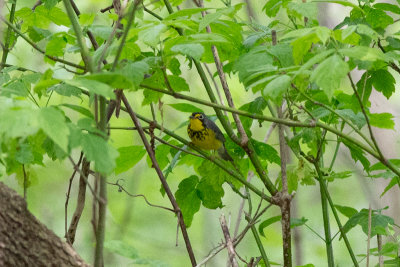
314, 84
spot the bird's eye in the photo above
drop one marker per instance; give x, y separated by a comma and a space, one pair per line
201, 117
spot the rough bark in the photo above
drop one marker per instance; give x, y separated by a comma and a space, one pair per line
24, 241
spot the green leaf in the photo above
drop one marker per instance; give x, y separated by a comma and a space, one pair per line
184, 107
128, 157
378, 18
307, 9
357, 119
188, 199
301, 46
24, 154
135, 72
210, 186
329, 74
272, 7
55, 47
86, 19
151, 35
357, 154
177, 83
346, 211
115, 80
388, 7
267, 223
100, 151
93, 86
267, 152
79, 109
276, 88
52, 122
66, 90
295, 222
185, 13
382, 120
379, 222
194, 51
384, 82
363, 53
121, 248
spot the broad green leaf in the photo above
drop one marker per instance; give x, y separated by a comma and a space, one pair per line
97, 149
346, 211
357, 119
210, 186
93, 86
184, 107
266, 152
340, 2
56, 45
378, 18
329, 74
52, 122
379, 222
151, 35
27, 121
161, 153
302, 46
363, 53
276, 88
208, 38
393, 182
267, 223
388, 7
314, 60
188, 199
382, 120
194, 51
101, 31
128, 157
86, 19
135, 72
177, 83
115, 80
24, 154
272, 7
384, 82
357, 154
305, 9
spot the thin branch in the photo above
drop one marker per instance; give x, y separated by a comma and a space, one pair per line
68, 194
221, 101
121, 188
379, 240
228, 241
6, 47
17, 31
162, 179
25, 181
80, 203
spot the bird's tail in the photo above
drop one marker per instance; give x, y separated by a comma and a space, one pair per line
224, 154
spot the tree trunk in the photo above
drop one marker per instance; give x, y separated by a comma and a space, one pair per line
24, 241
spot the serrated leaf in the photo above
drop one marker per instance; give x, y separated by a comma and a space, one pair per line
184, 107
357, 119
66, 90
329, 74
128, 157
363, 53
382, 120
97, 149
266, 152
276, 88
177, 83
52, 122
383, 81
135, 72
378, 18
187, 198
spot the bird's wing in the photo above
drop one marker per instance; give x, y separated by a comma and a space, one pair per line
218, 134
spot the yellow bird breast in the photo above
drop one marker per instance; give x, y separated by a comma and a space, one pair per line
203, 137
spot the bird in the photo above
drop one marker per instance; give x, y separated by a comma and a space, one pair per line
205, 134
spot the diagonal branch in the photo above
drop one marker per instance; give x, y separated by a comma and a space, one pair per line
162, 179
228, 240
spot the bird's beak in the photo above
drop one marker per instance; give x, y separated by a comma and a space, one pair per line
191, 117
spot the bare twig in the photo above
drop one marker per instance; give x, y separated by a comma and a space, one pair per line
221, 100
25, 181
162, 179
229, 245
80, 204
121, 188
68, 193
38, 3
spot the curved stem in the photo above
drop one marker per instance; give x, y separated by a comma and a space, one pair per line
6, 47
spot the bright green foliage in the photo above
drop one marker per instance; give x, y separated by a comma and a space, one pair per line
51, 112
